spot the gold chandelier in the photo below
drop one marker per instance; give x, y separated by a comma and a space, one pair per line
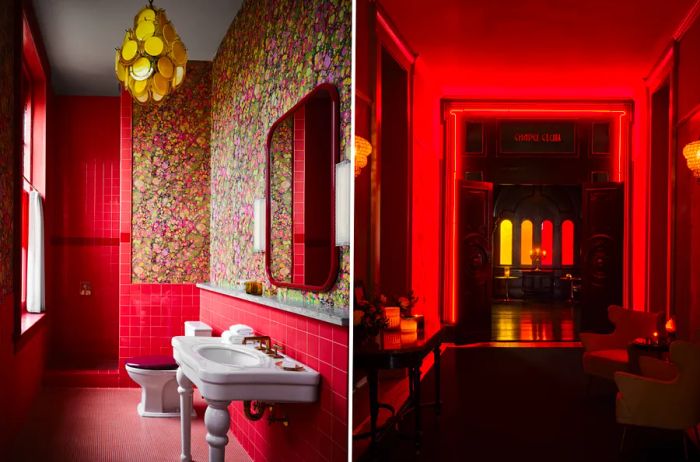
152, 60
363, 149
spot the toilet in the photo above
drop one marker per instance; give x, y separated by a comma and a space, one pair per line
156, 377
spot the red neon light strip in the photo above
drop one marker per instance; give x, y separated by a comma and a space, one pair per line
453, 277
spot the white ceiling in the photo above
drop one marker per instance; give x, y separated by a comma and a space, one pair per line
80, 36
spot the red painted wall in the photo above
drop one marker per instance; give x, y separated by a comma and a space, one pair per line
22, 371
316, 432
84, 230
686, 282
149, 314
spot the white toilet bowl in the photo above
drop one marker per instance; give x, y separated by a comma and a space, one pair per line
156, 376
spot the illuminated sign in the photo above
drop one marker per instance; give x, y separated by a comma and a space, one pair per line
537, 137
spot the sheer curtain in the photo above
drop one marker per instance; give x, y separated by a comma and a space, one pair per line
35, 255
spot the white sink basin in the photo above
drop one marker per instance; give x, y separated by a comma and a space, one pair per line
242, 373
229, 356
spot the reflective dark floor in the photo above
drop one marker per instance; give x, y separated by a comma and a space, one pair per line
534, 321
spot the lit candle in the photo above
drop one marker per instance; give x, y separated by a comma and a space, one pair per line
506, 272
409, 325
670, 326
393, 315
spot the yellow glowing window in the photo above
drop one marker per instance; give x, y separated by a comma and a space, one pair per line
525, 242
506, 246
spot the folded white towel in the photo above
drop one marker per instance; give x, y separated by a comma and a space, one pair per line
241, 329
228, 337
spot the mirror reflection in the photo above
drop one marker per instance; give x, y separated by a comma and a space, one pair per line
302, 153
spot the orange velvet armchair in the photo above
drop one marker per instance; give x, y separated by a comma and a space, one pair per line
606, 354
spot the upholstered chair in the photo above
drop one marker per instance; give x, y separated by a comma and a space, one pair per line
666, 395
606, 354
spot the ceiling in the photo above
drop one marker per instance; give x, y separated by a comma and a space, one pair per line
80, 36
516, 42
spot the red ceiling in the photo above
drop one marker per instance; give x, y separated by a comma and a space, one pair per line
539, 42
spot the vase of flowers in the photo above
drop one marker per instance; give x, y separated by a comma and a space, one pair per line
373, 318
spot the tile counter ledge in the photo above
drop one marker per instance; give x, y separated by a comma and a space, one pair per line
330, 314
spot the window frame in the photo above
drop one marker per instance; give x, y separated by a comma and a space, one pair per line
31, 77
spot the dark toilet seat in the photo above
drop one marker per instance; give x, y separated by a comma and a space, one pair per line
152, 363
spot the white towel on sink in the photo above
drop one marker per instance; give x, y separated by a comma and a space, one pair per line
241, 330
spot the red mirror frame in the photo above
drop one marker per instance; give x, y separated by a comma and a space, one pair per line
335, 124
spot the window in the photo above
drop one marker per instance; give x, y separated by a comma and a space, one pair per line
567, 243
506, 243
525, 242
32, 90
547, 241
26, 91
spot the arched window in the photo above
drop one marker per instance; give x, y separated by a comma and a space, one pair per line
547, 242
506, 243
525, 242
567, 243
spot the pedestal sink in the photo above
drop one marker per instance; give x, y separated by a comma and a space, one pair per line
225, 373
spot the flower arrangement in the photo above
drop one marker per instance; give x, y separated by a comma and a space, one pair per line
373, 317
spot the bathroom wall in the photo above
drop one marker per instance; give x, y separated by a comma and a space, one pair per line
22, 362
274, 53
170, 220
316, 432
272, 56
164, 181
83, 239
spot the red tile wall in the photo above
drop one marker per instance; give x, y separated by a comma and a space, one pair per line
149, 314
82, 231
316, 432
298, 196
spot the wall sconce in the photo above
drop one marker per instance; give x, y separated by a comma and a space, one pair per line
342, 203
259, 228
363, 149
691, 151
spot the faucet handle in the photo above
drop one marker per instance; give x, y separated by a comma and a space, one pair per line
274, 351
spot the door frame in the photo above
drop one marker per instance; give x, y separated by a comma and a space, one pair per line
452, 172
388, 38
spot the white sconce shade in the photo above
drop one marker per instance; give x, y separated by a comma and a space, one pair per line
342, 203
259, 228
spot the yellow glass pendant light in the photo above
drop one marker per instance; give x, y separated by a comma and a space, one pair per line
152, 61
363, 149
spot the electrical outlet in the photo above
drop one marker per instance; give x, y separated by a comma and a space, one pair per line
85, 288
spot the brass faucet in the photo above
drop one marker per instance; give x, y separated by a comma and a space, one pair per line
265, 347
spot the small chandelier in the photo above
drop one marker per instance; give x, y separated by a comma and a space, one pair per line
691, 151
152, 60
363, 149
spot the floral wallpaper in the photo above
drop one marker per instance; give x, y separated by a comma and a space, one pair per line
7, 143
281, 173
275, 52
170, 216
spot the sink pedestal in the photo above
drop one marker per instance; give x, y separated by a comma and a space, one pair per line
224, 373
217, 421
185, 390
216, 418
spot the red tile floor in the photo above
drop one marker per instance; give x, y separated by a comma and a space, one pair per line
101, 424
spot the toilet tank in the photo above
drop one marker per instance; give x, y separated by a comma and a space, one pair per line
197, 329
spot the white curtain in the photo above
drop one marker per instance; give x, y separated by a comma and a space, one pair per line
35, 256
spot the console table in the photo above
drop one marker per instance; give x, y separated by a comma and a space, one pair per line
375, 354
538, 283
